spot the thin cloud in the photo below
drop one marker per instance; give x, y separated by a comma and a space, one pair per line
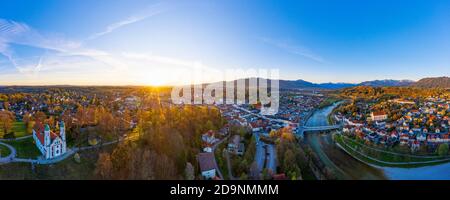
70, 61
151, 11
297, 50
12, 32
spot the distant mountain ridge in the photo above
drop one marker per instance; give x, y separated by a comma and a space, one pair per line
441, 82
436, 82
375, 83
387, 82
296, 84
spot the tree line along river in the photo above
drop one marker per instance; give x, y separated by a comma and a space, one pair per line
345, 166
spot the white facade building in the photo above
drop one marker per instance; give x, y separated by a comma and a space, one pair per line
49, 143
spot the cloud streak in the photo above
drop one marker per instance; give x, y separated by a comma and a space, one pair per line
12, 32
67, 61
151, 11
293, 49
70, 62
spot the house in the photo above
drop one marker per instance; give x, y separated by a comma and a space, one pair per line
404, 138
209, 138
346, 130
207, 165
280, 177
378, 116
224, 131
353, 123
50, 144
207, 149
421, 137
415, 146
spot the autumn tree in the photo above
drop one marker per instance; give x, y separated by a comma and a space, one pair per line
6, 120
6, 105
169, 137
26, 120
290, 164
40, 116
104, 166
106, 124
189, 172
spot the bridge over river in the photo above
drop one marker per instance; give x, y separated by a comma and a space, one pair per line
302, 129
346, 167
321, 128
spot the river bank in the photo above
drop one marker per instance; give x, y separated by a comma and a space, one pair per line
347, 167
343, 165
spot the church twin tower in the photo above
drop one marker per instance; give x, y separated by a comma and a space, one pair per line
50, 144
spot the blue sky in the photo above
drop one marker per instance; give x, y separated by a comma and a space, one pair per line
118, 42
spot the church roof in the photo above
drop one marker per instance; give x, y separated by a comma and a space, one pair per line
40, 129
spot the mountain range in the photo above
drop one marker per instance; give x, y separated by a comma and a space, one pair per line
375, 83
437, 82
434, 82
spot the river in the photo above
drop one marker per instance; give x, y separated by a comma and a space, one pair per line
346, 167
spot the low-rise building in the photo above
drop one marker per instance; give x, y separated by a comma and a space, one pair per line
207, 165
378, 116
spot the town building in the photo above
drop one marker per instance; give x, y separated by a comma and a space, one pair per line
209, 138
378, 116
50, 144
207, 165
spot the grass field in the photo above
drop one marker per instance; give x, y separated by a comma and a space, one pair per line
4, 151
65, 170
20, 130
25, 148
403, 161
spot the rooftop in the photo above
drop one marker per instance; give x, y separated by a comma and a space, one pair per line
206, 161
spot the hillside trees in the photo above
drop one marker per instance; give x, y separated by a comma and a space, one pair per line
6, 120
170, 137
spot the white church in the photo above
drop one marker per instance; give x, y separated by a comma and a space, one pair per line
51, 144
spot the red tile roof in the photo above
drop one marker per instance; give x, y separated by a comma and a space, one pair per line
378, 113
39, 129
40, 132
279, 177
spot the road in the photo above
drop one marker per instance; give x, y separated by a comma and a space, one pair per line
272, 157
263, 117
260, 156
230, 171
11, 155
214, 147
260, 152
15, 139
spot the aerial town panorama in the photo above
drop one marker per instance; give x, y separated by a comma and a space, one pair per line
224, 90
